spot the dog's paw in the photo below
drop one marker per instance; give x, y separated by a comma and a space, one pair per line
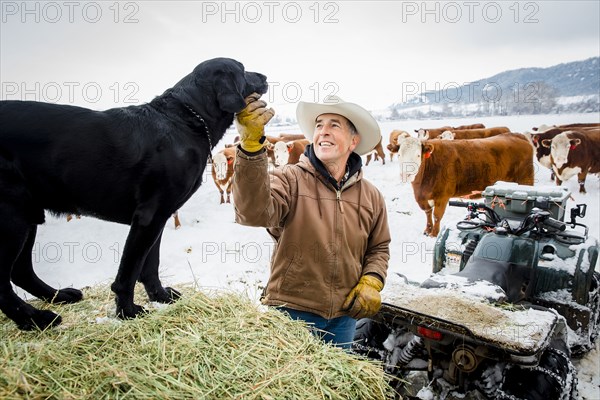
40, 319
167, 295
131, 312
173, 294
68, 295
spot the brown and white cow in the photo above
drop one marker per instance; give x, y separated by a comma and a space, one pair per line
288, 152
269, 145
222, 171
542, 141
376, 153
461, 134
430, 133
575, 152
442, 169
435, 132
396, 137
283, 137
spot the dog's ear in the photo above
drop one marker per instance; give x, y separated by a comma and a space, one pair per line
229, 96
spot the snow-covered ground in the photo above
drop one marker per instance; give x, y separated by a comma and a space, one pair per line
215, 252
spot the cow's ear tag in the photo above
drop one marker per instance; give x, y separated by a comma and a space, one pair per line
427, 154
230, 161
573, 146
289, 149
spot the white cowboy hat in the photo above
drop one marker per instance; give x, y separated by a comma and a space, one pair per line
367, 127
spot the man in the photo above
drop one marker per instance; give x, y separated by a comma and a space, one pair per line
329, 224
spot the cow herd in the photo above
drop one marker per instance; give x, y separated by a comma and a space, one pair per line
281, 150
459, 161
442, 163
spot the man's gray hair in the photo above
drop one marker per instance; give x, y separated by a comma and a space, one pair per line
353, 130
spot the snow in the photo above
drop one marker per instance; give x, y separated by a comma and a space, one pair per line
585, 262
566, 100
426, 394
212, 251
512, 329
561, 296
559, 264
480, 289
569, 265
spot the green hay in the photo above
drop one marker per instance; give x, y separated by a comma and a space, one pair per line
203, 347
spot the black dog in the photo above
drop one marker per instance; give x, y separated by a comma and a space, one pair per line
135, 165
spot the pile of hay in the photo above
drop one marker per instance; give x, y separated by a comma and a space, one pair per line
204, 347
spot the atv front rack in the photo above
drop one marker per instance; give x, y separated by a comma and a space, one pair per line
519, 331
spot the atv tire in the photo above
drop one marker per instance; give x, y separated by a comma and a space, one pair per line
369, 338
554, 378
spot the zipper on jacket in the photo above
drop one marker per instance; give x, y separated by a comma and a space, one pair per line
339, 200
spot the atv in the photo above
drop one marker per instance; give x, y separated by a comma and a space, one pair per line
513, 296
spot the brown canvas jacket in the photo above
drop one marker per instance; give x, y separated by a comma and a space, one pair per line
325, 239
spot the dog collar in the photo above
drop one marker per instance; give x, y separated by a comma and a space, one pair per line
203, 123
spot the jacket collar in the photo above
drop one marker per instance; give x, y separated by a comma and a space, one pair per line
353, 167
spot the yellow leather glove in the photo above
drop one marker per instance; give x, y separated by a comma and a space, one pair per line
364, 299
251, 121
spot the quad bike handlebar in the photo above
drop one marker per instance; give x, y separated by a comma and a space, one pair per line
537, 220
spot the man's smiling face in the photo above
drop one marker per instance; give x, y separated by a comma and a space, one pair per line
333, 140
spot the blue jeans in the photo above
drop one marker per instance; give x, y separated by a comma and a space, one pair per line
337, 331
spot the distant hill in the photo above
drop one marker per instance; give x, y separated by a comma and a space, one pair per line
575, 78
568, 87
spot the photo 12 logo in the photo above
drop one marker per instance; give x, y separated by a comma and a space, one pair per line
270, 11
249, 252
469, 92
293, 92
71, 92
526, 12
76, 252
69, 11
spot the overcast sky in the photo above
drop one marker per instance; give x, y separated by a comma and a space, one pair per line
105, 54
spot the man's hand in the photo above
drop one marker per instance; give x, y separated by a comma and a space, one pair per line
251, 121
364, 299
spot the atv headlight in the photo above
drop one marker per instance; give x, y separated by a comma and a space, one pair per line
452, 263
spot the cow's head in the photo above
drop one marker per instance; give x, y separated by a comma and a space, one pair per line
411, 154
533, 138
447, 135
403, 135
542, 143
543, 128
422, 134
560, 147
396, 138
281, 152
220, 164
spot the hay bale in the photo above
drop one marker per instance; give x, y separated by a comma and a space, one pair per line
203, 346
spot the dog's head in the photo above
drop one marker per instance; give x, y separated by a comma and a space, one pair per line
219, 86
